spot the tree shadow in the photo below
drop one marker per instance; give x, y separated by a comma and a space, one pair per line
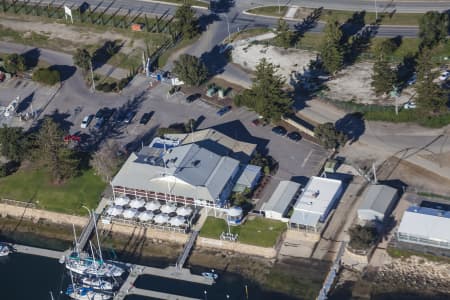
236, 130
32, 57
221, 6
57, 117
105, 52
141, 141
308, 83
207, 19
25, 103
215, 61
360, 42
353, 25
65, 71
352, 125
307, 23
406, 70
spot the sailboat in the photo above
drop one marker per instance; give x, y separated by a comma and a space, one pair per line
96, 282
83, 264
84, 293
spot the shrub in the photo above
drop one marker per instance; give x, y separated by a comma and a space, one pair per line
106, 87
123, 83
362, 237
47, 76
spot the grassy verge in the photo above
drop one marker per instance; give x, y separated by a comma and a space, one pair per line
431, 195
411, 19
162, 60
258, 232
312, 41
35, 186
405, 116
247, 33
190, 2
400, 253
273, 11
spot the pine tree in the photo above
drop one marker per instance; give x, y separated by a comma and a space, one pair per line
433, 28
332, 54
431, 98
51, 152
82, 58
190, 69
383, 78
187, 22
285, 36
267, 96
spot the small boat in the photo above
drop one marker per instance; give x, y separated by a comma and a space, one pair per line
210, 275
4, 249
97, 283
85, 293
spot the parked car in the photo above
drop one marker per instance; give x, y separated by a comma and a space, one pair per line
409, 105
444, 75
193, 97
223, 110
280, 130
294, 136
101, 112
99, 123
86, 121
145, 118
129, 116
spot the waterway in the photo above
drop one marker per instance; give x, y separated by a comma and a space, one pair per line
26, 277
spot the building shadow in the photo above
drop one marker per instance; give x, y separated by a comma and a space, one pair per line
303, 180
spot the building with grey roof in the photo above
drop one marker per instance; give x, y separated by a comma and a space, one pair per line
248, 178
424, 226
217, 142
281, 200
186, 173
378, 202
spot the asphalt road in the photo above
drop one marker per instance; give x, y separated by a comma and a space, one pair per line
355, 5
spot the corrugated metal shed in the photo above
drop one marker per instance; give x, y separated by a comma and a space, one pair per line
282, 196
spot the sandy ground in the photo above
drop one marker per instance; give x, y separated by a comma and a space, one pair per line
248, 56
354, 83
351, 84
75, 34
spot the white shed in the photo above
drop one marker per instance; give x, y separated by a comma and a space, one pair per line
378, 201
281, 200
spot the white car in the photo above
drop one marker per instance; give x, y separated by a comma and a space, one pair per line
412, 80
86, 121
444, 75
409, 105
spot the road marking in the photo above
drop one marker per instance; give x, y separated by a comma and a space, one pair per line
307, 158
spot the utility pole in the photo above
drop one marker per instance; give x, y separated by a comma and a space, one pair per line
92, 76
374, 170
279, 7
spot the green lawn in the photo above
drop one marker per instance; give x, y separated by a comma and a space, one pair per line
403, 254
191, 2
36, 186
272, 11
369, 17
259, 231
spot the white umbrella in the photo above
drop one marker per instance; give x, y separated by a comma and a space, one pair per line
235, 211
114, 210
177, 221
137, 203
184, 211
146, 216
152, 205
161, 219
167, 208
130, 213
121, 200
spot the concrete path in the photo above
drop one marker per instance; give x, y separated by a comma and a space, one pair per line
290, 14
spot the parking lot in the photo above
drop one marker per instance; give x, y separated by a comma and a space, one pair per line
32, 98
297, 160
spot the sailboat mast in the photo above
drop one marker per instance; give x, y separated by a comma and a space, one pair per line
96, 235
76, 241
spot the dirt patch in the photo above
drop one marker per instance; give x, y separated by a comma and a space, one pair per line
414, 176
289, 60
354, 84
76, 35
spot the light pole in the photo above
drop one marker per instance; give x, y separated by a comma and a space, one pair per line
279, 7
92, 76
376, 10
206, 294
228, 27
